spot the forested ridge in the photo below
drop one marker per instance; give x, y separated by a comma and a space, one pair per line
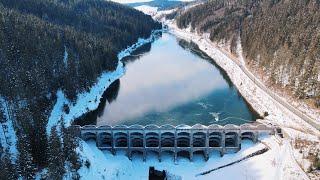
47, 45
280, 38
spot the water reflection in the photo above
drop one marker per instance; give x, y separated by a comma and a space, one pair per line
167, 84
171, 85
137, 53
107, 98
192, 47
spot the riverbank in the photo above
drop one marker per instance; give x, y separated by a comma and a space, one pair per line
262, 102
275, 113
89, 101
282, 110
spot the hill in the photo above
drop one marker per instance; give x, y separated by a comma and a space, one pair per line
280, 39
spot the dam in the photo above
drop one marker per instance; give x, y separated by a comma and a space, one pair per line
174, 139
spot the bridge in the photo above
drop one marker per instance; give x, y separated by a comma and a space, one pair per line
174, 139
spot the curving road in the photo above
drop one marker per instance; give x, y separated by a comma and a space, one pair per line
274, 96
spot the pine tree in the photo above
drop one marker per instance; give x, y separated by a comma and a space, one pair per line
55, 156
69, 147
26, 167
7, 168
39, 141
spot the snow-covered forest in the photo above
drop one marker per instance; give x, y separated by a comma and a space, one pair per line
48, 47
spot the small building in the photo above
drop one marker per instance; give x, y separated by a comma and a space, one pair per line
157, 175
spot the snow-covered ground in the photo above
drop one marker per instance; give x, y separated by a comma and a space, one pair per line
270, 165
147, 9
8, 138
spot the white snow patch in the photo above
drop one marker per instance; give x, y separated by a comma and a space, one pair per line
147, 9
65, 57
8, 136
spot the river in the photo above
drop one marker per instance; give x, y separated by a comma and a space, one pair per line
169, 81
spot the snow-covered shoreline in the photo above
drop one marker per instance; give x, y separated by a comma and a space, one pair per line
89, 101
255, 96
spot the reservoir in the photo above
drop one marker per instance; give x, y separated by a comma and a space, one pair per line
169, 81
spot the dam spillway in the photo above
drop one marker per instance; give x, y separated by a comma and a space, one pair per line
175, 139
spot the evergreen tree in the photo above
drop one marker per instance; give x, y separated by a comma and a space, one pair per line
56, 158
70, 144
26, 167
7, 169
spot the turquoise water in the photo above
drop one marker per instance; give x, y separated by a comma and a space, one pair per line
169, 82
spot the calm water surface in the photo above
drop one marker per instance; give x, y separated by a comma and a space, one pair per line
167, 83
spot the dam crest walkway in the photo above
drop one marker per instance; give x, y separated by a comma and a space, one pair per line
174, 139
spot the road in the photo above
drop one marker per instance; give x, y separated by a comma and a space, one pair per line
274, 96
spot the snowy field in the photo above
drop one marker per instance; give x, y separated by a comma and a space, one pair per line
270, 165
